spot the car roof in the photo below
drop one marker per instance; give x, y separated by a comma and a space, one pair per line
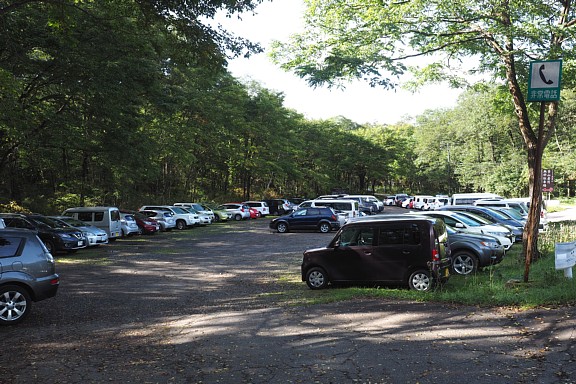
391, 218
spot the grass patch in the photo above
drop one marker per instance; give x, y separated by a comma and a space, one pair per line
90, 256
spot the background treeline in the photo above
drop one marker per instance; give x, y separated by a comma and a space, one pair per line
124, 103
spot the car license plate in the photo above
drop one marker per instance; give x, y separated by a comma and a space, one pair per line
446, 272
80, 243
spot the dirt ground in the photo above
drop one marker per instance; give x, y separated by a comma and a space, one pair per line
209, 305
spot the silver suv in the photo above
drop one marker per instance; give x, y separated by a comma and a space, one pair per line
28, 274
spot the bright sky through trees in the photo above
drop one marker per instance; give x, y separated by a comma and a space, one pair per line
358, 102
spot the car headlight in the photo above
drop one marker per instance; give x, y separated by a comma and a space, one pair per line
501, 234
490, 244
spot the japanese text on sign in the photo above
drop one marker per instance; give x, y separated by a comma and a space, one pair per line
547, 180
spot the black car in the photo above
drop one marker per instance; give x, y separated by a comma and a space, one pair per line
412, 251
279, 206
57, 236
473, 251
323, 219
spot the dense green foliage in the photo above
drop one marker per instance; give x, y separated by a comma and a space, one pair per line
124, 103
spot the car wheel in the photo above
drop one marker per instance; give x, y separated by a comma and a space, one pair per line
140, 231
216, 218
324, 227
238, 217
420, 280
50, 247
282, 227
464, 263
316, 278
181, 224
15, 304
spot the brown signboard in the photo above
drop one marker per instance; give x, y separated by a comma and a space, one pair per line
547, 180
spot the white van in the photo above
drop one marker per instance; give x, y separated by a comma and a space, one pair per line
349, 207
420, 201
106, 218
470, 198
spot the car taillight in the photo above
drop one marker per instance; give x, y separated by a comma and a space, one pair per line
55, 281
334, 218
435, 255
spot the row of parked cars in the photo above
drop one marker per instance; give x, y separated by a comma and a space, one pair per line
396, 248
29, 242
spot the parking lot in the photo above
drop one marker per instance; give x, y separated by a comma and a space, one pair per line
225, 304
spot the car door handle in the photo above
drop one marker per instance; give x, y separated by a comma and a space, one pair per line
405, 252
368, 253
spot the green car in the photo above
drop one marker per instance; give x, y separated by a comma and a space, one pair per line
219, 214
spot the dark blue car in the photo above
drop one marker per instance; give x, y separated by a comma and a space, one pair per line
322, 219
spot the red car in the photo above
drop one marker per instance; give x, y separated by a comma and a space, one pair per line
146, 225
254, 213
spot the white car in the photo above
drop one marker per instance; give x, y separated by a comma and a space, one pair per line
466, 224
199, 208
129, 225
184, 219
204, 218
164, 218
261, 206
390, 200
237, 211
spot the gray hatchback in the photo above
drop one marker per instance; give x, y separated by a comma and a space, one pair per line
27, 274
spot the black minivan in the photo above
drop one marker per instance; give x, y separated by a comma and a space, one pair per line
399, 250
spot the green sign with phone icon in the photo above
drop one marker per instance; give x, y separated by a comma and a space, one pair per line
544, 80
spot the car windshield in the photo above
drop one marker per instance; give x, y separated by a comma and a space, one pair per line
467, 220
140, 216
73, 222
179, 210
498, 215
512, 213
477, 218
49, 222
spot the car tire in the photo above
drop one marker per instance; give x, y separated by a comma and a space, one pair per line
464, 263
50, 247
324, 227
140, 231
181, 224
15, 304
238, 217
216, 218
316, 278
282, 227
421, 280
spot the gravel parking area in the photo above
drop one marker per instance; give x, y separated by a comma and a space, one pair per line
210, 305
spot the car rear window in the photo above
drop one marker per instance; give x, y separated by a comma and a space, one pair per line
10, 246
